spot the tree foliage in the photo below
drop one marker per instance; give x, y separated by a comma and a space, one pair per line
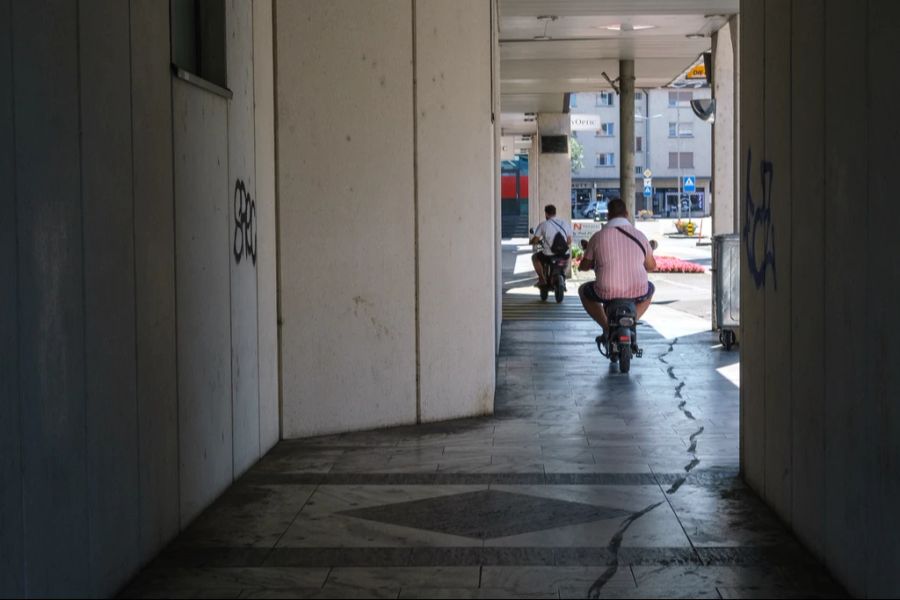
576, 154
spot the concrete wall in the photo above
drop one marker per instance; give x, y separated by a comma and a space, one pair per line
386, 208
267, 299
456, 220
129, 391
724, 194
347, 295
820, 421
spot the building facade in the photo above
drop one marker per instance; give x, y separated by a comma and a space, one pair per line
669, 140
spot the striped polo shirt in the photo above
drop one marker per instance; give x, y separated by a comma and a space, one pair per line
618, 261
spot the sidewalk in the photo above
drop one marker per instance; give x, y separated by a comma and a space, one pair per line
584, 483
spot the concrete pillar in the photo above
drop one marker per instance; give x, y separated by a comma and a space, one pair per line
555, 180
416, 77
626, 137
723, 188
535, 211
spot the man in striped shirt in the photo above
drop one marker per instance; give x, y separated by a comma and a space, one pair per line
621, 257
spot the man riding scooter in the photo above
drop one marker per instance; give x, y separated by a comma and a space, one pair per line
621, 256
545, 234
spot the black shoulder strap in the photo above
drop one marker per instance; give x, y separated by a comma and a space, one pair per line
558, 226
635, 240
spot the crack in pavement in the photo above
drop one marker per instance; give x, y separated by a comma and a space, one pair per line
662, 357
613, 546
692, 449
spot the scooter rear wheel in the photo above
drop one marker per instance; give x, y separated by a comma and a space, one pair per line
560, 290
625, 359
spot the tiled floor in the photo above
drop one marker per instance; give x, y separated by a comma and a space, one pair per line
585, 483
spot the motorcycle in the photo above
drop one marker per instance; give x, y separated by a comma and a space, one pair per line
554, 274
621, 345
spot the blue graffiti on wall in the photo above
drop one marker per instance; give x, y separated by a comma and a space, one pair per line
756, 218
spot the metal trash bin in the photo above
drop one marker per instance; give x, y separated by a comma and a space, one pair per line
726, 269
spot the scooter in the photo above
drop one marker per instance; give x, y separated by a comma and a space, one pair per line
555, 275
621, 345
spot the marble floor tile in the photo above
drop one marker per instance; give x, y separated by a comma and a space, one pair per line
248, 515
400, 577
473, 593
570, 582
584, 481
225, 580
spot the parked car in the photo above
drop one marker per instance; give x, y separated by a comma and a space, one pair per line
596, 208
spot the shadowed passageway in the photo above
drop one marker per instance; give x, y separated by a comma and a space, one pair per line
585, 483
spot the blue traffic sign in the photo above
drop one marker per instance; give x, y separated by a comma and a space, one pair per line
689, 184
648, 191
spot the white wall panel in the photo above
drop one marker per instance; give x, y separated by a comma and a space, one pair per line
109, 321
203, 257
346, 215
455, 169
154, 247
264, 101
244, 235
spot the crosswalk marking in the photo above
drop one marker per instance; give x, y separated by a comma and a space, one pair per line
531, 308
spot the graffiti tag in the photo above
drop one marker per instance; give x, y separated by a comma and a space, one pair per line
758, 221
244, 223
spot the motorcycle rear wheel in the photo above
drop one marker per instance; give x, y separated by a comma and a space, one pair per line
560, 290
625, 359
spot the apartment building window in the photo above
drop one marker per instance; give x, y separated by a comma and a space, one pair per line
687, 160
681, 129
605, 99
639, 144
197, 29
573, 101
680, 98
639, 170
606, 159
606, 130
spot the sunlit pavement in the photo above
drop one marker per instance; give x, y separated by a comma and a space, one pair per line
584, 483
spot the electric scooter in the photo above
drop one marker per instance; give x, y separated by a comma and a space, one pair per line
555, 275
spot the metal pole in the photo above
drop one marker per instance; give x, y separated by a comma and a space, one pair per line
678, 147
626, 133
648, 200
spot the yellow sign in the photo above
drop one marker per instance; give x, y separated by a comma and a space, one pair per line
697, 72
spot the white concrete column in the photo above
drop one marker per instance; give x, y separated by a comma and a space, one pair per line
723, 188
407, 100
555, 180
535, 210
626, 133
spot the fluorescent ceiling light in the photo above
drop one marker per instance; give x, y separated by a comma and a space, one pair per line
628, 27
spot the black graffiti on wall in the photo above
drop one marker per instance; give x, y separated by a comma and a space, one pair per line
758, 222
244, 223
